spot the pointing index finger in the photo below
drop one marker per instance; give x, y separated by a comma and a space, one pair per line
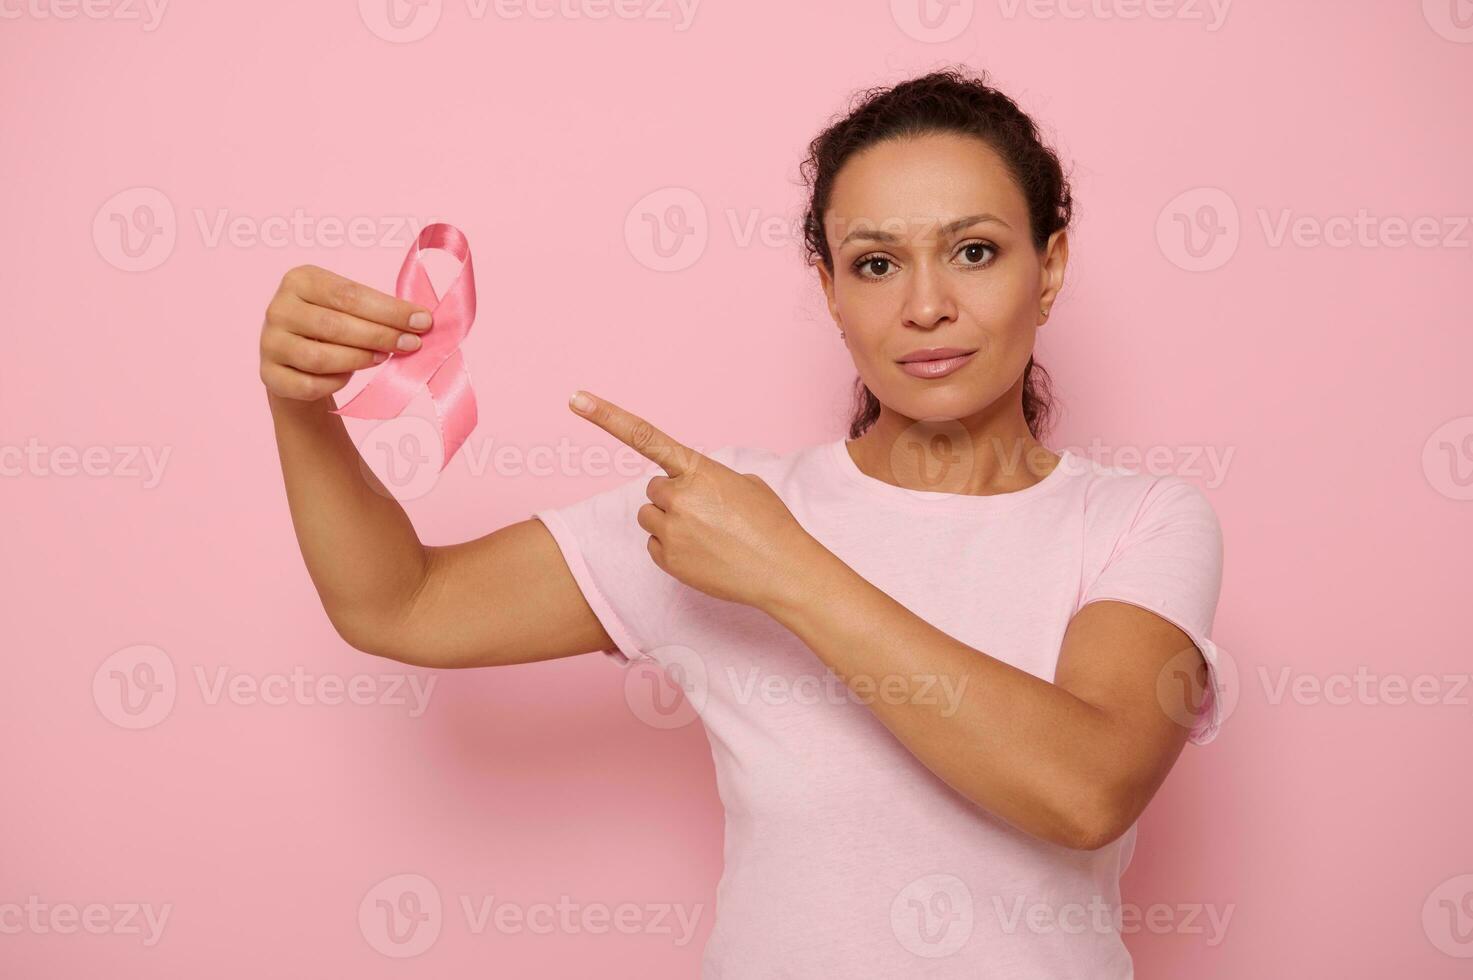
673, 457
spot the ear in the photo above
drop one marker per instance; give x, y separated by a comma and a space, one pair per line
1055, 259
826, 279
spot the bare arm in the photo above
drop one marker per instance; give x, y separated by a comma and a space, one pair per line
507, 597
1073, 762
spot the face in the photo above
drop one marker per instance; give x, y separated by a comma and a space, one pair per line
931, 249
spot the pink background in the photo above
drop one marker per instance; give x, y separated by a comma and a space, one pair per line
1333, 378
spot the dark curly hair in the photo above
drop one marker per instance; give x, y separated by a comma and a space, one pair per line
950, 100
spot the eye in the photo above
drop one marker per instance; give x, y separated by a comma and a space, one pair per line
874, 265
871, 261
976, 249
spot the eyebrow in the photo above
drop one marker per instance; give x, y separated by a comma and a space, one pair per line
876, 235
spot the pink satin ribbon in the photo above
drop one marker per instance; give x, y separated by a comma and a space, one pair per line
438, 363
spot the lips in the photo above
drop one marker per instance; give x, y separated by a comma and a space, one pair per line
935, 354
935, 362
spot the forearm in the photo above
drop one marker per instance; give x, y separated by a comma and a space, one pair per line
1023, 748
358, 544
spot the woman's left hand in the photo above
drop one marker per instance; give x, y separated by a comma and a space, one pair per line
724, 533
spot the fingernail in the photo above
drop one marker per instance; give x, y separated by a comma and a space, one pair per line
408, 341
580, 401
380, 357
419, 320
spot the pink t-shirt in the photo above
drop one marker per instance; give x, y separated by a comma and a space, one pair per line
844, 855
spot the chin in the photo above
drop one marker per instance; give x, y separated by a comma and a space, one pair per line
937, 406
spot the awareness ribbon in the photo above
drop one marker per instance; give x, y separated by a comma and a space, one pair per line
437, 363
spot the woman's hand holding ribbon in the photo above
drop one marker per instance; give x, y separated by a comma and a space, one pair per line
321, 327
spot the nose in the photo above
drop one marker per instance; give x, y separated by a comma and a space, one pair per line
928, 302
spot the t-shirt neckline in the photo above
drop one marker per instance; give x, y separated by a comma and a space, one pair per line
973, 503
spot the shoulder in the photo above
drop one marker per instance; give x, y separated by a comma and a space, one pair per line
1127, 493
1126, 504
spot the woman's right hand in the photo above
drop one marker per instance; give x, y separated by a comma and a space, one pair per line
506, 597
321, 327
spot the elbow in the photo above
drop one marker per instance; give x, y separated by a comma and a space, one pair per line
376, 648
360, 636
375, 638
406, 654
1098, 833
409, 643
1097, 820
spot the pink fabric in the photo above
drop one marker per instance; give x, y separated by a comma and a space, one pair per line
437, 364
844, 856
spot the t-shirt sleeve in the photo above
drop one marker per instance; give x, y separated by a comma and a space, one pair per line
608, 553
1169, 561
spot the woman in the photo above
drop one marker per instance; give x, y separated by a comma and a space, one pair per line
943, 669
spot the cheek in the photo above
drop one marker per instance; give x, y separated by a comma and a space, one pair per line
868, 319
866, 309
1007, 312
1004, 299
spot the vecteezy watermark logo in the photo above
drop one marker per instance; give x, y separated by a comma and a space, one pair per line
1363, 230
302, 230
932, 916
147, 12
826, 687
670, 692
1364, 687
1105, 918
945, 458
135, 230
400, 457
667, 229
135, 687
568, 917
400, 21
1212, 12
95, 918
1207, 463
39, 461
932, 21
401, 916
1447, 916
1451, 19
1184, 689
1447, 458
940, 452
1198, 230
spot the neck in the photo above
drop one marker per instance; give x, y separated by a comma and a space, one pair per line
991, 452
